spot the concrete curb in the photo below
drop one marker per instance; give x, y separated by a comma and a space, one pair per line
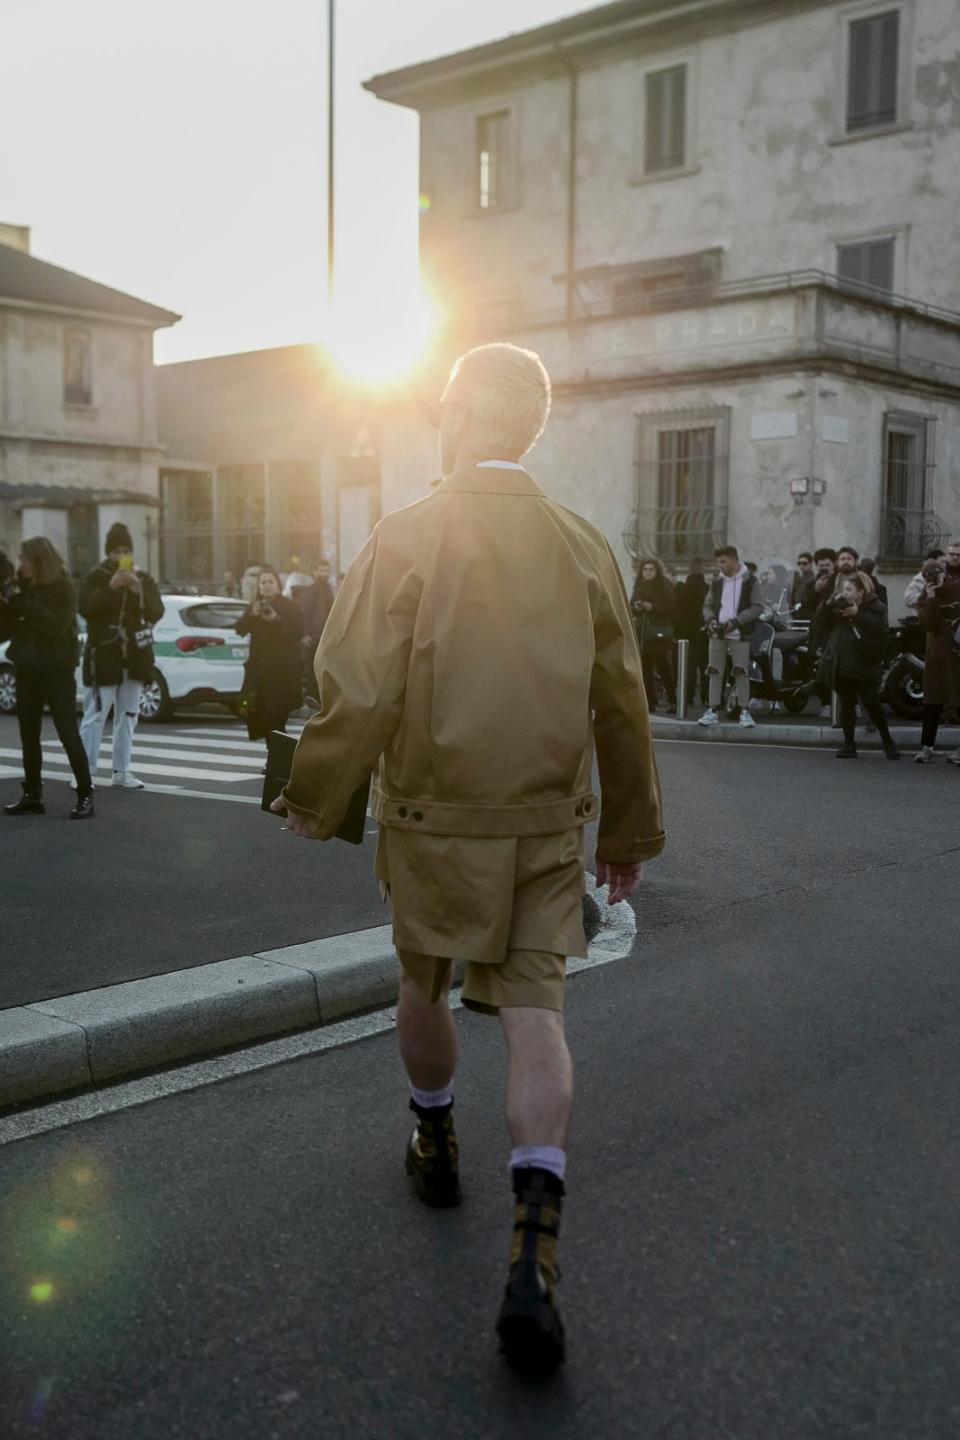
80, 1041
665, 728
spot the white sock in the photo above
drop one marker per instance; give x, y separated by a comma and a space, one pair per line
539, 1157
432, 1099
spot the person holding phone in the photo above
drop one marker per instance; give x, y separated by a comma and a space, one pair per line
272, 684
120, 604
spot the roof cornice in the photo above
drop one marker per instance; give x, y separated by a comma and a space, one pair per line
587, 37
103, 316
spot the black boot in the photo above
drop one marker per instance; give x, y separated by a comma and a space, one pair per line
433, 1157
83, 810
30, 803
529, 1325
847, 751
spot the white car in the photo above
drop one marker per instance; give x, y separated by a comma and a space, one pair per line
198, 656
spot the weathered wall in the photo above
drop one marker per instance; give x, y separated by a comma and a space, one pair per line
769, 181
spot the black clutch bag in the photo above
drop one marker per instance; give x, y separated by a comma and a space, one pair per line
280, 750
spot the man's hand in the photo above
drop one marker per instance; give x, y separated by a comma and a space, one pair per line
294, 823
117, 580
621, 879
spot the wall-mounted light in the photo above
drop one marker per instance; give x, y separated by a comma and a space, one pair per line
799, 488
819, 490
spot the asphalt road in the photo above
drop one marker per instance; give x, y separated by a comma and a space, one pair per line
761, 1237
193, 872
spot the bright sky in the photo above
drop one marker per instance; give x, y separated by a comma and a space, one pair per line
176, 149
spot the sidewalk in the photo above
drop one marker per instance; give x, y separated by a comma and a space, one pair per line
782, 729
97, 1036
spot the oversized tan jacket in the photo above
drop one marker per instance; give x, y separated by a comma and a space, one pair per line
478, 646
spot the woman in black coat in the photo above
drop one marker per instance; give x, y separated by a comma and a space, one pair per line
856, 637
40, 616
654, 604
272, 682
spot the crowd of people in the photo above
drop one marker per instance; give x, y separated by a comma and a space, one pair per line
121, 603
838, 594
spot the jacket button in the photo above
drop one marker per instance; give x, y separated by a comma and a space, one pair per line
587, 806
578, 810
418, 814
402, 812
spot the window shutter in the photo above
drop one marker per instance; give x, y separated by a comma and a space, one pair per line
869, 262
666, 106
874, 65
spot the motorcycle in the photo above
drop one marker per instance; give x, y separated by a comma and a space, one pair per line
901, 686
780, 663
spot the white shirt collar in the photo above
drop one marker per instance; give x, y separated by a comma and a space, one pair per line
499, 465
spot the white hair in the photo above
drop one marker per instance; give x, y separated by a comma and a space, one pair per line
506, 392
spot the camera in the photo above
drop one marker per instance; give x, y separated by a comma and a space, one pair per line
840, 602
933, 575
266, 610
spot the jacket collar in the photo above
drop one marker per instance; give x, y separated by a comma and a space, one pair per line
490, 480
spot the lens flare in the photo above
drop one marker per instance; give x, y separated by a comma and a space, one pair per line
383, 340
41, 1291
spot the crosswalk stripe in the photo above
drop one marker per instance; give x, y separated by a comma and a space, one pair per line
163, 752
10, 772
183, 772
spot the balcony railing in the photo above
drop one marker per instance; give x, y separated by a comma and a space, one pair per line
675, 534
909, 534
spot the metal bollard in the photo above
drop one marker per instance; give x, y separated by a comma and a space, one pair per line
683, 666
835, 710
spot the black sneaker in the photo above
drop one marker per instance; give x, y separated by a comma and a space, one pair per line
847, 752
529, 1325
433, 1157
891, 752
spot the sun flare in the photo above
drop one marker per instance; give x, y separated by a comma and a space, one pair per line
378, 343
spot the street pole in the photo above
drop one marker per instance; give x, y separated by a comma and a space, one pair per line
683, 670
331, 135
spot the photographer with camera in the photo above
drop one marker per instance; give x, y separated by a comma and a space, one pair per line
120, 604
855, 626
730, 612
939, 609
272, 685
38, 613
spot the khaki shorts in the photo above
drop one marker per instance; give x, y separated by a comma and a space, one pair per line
511, 909
530, 978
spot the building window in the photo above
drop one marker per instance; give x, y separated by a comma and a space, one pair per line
868, 262
910, 527
682, 471
493, 160
873, 71
77, 368
665, 132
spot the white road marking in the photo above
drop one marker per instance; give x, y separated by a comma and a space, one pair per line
183, 772
163, 752
9, 772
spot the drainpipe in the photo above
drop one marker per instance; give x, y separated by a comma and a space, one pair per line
574, 77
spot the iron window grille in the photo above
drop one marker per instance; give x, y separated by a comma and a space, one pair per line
682, 471
910, 526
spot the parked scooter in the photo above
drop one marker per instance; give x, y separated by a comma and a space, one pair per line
902, 684
779, 664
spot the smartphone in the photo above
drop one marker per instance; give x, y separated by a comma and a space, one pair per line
125, 562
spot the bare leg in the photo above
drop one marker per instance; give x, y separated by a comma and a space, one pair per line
539, 1077
427, 1037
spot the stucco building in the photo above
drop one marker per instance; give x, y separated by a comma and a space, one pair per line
730, 230
267, 457
78, 428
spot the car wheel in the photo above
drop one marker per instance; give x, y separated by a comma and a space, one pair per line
8, 690
156, 707
795, 704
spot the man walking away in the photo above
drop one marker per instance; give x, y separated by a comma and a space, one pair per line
474, 635
731, 611
120, 605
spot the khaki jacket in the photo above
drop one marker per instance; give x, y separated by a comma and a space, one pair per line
479, 646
